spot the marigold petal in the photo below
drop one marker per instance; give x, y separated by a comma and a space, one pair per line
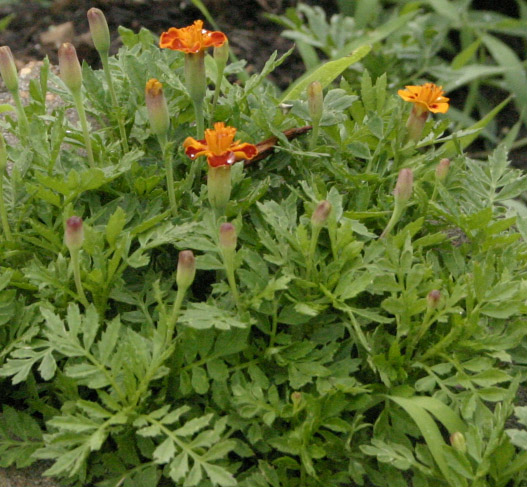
191, 39
195, 148
244, 151
438, 107
226, 159
214, 38
427, 97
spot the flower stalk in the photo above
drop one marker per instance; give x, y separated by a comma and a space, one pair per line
186, 271
196, 82
221, 56
101, 39
9, 74
159, 117
402, 194
318, 219
227, 244
74, 238
432, 303
315, 104
3, 213
71, 74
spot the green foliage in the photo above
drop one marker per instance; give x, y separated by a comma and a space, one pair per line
317, 354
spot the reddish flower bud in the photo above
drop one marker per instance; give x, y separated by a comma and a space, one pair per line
403, 187
457, 440
186, 269
74, 233
100, 33
433, 298
156, 105
70, 68
8, 69
228, 238
442, 169
321, 213
315, 100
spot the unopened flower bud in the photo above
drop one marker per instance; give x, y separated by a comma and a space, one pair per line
321, 213
100, 33
296, 397
74, 233
156, 105
432, 299
315, 100
3, 156
221, 54
403, 187
8, 69
186, 269
228, 237
442, 169
70, 68
457, 440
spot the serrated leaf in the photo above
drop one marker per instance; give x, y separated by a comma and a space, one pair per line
165, 451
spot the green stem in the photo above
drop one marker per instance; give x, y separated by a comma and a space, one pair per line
77, 276
113, 96
228, 262
200, 121
174, 315
314, 134
396, 215
416, 337
169, 170
3, 212
22, 119
217, 90
196, 81
77, 97
312, 247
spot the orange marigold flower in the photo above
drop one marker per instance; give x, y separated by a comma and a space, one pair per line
191, 39
428, 98
219, 147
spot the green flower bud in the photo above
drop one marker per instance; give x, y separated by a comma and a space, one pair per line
186, 269
221, 54
8, 69
228, 238
457, 440
296, 397
403, 187
156, 105
100, 33
315, 100
70, 68
321, 213
442, 169
74, 233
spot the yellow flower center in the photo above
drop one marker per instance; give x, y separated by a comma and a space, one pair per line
153, 87
219, 139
